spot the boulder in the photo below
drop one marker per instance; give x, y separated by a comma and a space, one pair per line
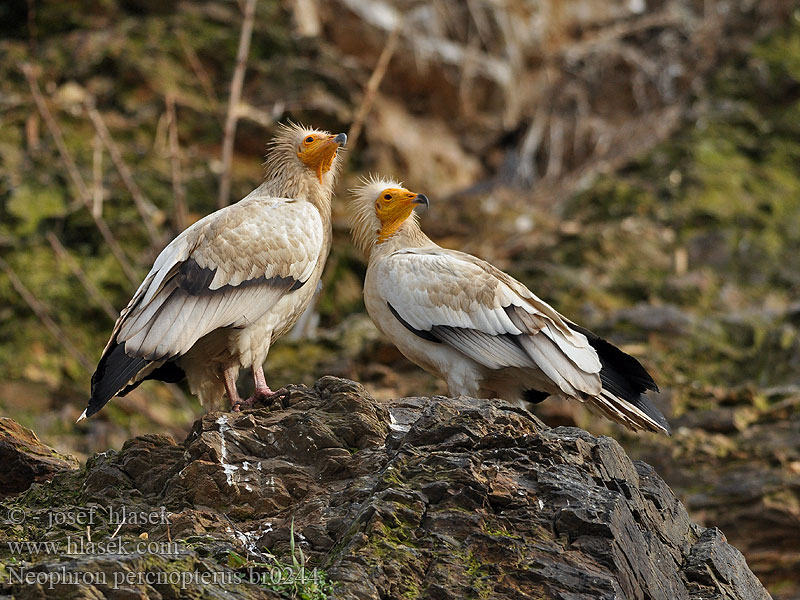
411, 498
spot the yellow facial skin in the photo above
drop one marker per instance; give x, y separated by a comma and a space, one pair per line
393, 206
317, 151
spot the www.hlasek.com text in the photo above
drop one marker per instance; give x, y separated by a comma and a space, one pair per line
74, 546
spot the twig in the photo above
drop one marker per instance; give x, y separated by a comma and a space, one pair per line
97, 177
372, 85
32, 131
525, 171
146, 208
116, 531
609, 37
91, 288
75, 176
199, 71
41, 311
306, 18
482, 25
556, 149
175, 163
233, 101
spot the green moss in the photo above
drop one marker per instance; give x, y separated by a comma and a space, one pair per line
491, 527
479, 575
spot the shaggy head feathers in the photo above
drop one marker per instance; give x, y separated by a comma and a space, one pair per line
365, 226
285, 174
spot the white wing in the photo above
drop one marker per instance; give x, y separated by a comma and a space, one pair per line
487, 315
226, 270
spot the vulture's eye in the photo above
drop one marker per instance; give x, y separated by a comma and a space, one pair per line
387, 197
309, 139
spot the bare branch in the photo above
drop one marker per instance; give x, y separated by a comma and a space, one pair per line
175, 162
65, 257
97, 177
372, 86
556, 148
44, 316
199, 71
32, 29
233, 101
146, 208
75, 175
306, 18
525, 171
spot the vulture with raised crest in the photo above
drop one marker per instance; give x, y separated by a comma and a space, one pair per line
231, 284
483, 332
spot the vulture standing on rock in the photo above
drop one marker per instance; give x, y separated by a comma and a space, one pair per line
483, 332
231, 284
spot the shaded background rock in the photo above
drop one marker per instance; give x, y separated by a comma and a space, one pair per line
450, 498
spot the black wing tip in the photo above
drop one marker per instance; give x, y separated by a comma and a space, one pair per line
113, 371
92, 408
618, 361
646, 405
169, 372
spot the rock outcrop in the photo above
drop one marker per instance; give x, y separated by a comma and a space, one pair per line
413, 498
24, 459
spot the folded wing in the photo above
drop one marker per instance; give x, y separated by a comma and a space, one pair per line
466, 303
227, 270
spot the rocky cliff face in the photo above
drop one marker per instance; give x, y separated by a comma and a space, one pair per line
412, 498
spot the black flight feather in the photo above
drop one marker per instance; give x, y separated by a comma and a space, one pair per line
425, 335
114, 370
635, 376
534, 396
195, 280
169, 372
624, 376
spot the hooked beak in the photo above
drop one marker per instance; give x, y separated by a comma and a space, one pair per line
421, 199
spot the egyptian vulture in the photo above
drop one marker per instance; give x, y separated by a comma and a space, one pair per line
483, 332
231, 284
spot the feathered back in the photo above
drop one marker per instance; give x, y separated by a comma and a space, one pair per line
364, 223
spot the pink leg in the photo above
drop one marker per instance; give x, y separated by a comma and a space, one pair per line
262, 389
230, 387
262, 393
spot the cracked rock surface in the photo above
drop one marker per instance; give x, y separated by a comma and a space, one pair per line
412, 498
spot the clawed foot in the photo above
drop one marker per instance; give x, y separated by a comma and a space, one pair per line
259, 398
263, 396
266, 397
